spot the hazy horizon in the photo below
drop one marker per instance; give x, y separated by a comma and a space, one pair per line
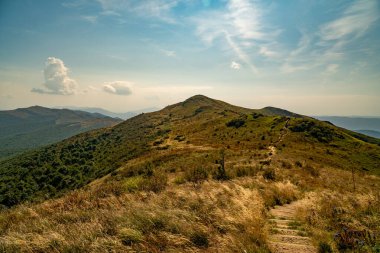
151, 109
312, 58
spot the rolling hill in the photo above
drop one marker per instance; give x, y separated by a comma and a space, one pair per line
196, 176
28, 128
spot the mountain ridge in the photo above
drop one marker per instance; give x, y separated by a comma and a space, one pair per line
23, 129
196, 122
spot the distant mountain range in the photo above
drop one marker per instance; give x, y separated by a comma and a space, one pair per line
124, 116
28, 128
365, 125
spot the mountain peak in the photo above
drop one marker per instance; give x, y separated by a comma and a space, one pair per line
199, 97
201, 100
270, 110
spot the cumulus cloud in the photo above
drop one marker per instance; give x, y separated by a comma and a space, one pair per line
118, 88
235, 65
57, 80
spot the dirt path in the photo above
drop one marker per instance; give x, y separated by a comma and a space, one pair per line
272, 150
288, 235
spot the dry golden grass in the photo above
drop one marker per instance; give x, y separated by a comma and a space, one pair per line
163, 212
183, 218
152, 203
113, 215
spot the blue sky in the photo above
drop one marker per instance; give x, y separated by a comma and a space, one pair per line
310, 57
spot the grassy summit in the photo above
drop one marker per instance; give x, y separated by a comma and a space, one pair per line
195, 176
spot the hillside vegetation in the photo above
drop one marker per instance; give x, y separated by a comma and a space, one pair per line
29, 128
197, 176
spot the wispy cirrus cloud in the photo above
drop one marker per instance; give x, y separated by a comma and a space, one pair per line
240, 26
90, 19
329, 42
240, 52
158, 9
353, 23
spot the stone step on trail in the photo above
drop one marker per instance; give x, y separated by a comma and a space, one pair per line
287, 233
292, 248
296, 239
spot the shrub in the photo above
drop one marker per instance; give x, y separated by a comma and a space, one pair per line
317, 131
155, 183
200, 239
179, 180
220, 173
235, 123
324, 248
351, 239
313, 171
257, 115
159, 142
133, 184
196, 175
269, 174
246, 171
286, 165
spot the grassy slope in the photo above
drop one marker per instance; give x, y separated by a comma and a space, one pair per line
158, 163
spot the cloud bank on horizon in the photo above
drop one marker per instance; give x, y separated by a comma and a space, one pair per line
271, 48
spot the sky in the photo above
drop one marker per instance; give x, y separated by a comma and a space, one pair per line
314, 57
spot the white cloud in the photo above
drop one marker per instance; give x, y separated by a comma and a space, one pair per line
118, 88
235, 65
239, 26
354, 22
240, 53
57, 80
328, 44
245, 17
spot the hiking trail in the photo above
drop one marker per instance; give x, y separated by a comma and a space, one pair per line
287, 235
